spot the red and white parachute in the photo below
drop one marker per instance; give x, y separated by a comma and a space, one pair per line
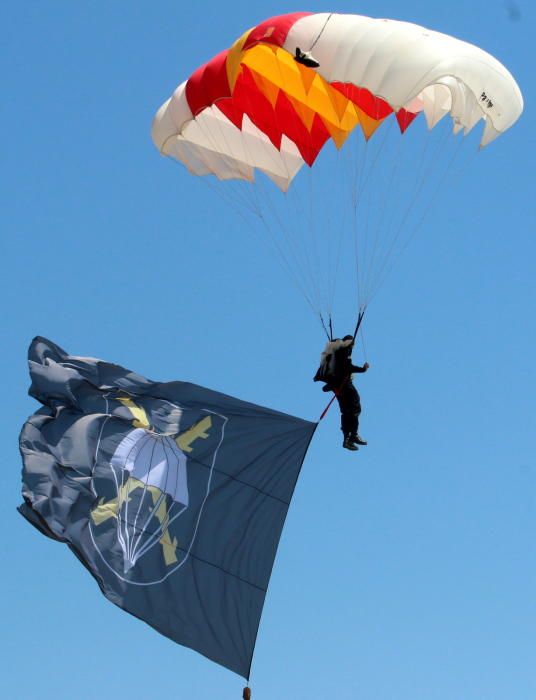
255, 107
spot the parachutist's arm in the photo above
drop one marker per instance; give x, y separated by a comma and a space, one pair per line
359, 370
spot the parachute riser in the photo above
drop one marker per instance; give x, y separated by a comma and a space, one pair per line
327, 328
337, 391
359, 319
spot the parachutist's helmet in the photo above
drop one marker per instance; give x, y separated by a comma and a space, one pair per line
348, 343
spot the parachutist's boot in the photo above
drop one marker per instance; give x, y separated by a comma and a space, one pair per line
358, 440
348, 444
305, 58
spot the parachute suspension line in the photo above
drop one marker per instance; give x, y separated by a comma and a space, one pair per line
326, 331
363, 172
387, 207
358, 166
304, 275
387, 192
369, 177
312, 244
359, 320
300, 272
392, 234
302, 262
390, 258
386, 133
335, 223
362, 333
309, 231
252, 202
303, 257
321, 31
329, 231
312, 229
390, 240
315, 246
368, 203
308, 206
293, 276
232, 188
339, 170
269, 241
359, 170
305, 229
254, 208
207, 133
424, 215
227, 196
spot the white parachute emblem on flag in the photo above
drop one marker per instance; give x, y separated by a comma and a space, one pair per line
148, 489
153, 466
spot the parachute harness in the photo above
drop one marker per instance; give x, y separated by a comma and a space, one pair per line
338, 390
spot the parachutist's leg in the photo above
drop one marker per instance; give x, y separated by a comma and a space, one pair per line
341, 399
348, 415
356, 412
348, 422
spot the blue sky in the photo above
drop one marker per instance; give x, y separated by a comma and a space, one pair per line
406, 571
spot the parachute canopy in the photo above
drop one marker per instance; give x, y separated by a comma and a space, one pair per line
254, 106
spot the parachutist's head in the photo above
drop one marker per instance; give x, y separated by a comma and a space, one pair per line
348, 343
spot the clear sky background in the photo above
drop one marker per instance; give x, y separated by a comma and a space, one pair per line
406, 571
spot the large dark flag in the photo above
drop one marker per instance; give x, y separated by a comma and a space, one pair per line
172, 495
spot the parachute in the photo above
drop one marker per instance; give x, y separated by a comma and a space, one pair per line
260, 112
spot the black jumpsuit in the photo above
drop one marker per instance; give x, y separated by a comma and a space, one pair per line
347, 395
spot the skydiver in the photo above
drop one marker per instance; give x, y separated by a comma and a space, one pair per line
336, 371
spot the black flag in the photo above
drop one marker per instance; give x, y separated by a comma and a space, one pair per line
172, 495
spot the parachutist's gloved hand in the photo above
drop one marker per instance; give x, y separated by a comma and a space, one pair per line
366, 366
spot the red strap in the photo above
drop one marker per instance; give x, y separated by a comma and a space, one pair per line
336, 393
